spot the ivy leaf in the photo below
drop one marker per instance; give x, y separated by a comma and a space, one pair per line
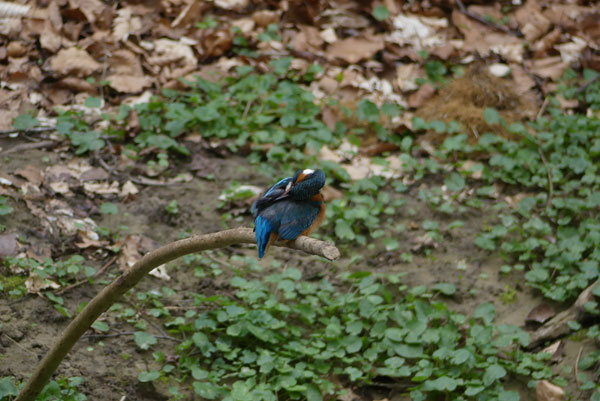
485, 312
24, 122
455, 182
381, 13
109, 208
143, 339
8, 387
148, 376
493, 373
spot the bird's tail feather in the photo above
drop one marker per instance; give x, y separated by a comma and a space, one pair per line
263, 232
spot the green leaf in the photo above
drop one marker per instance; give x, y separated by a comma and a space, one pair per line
206, 390
491, 116
8, 387
445, 288
93, 102
367, 110
381, 13
343, 230
101, 326
485, 242
391, 244
108, 208
144, 340
443, 383
485, 312
493, 373
148, 376
313, 393
24, 122
455, 182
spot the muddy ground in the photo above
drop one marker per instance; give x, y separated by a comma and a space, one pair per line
110, 365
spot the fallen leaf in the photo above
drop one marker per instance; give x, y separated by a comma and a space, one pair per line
421, 96
160, 272
546, 391
133, 247
549, 67
33, 174
90, 8
531, 20
235, 5
74, 61
128, 189
35, 284
356, 48
129, 83
417, 31
541, 313
8, 245
102, 188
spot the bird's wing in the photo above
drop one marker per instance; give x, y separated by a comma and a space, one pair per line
297, 217
269, 197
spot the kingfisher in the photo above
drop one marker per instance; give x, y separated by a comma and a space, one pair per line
291, 208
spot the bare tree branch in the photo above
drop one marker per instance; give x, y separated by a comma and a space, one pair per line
110, 294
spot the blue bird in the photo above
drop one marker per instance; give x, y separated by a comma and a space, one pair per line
292, 207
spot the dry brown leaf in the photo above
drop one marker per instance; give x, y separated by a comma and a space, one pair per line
406, 76
76, 85
50, 39
33, 174
546, 391
549, 67
356, 48
133, 247
90, 8
35, 284
308, 39
235, 5
421, 96
330, 193
531, 20
8, 245
541, 313
418, 32
192, 11
541, 46
125, 62
129, 83
74, 61
102, 188
126, 24
266, 17
484, 40
15, 49
128, 189
87, 239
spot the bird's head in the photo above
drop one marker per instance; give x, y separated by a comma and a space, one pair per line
304, 185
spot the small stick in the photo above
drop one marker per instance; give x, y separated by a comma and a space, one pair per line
577, 365
587, 84
18, 130
549, 173
113, 292
96, 275
485, 22
27, 146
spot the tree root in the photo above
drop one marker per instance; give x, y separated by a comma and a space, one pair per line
558, 326
111, 293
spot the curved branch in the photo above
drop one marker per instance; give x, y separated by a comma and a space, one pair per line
111, 293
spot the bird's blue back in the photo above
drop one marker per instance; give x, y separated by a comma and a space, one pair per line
286, 217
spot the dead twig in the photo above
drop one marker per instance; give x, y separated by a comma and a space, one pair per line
577, 365
486, 22
100, 272
111, 293
18, 130
549, 173
558, 326
27, 146
587, 84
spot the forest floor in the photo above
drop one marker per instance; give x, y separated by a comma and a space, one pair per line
461, 144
